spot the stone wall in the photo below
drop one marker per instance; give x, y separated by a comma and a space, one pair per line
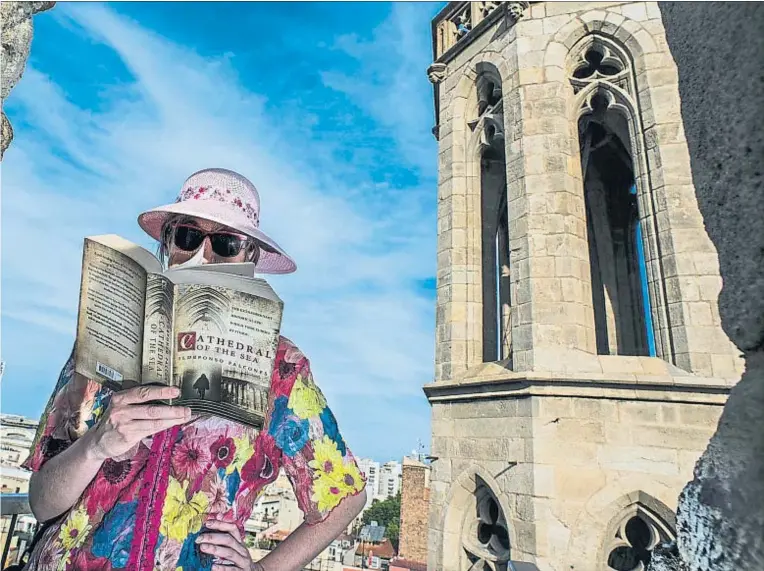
415, 501
594, 458
16, 20
564, 468
549, 258
721, 82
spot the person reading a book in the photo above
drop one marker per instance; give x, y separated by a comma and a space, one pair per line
125, 483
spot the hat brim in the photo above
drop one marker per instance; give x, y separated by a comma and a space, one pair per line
276, 261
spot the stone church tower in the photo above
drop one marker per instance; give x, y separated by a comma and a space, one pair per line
580, 363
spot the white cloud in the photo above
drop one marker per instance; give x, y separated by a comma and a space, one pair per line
353, 306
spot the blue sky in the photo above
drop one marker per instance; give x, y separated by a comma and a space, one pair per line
324, 106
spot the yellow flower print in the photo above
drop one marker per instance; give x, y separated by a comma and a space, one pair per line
327, 459
334, 479
182, 516
75, 531
305, 399
244, 451
327, 494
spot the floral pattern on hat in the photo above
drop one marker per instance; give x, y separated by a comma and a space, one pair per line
221, 195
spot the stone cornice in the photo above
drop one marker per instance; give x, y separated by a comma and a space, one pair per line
624, 386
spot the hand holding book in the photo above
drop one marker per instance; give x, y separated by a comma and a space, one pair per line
129, 419
211, 331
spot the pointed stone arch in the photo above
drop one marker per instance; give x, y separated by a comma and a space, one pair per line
476, 523
477, 122
635, 531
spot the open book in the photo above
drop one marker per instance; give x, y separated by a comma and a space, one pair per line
212, 330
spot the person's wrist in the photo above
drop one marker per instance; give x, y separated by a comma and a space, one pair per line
92, 448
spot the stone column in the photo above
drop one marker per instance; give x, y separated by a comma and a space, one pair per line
721, 512
16, 20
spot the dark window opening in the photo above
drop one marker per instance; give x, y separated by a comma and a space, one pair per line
495, 248
623, 324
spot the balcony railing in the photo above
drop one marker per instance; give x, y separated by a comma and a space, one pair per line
458, 19
17, 527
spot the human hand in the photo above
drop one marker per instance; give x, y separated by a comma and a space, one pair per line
126, 421
226, 544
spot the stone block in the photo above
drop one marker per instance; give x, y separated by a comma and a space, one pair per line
602, 409
574, 430
538, 10
677, 437
578, 484
553, 452
555, 407
669, 414
632, 413
706, 416
643, 459
553, 24
618, 434
544, 481
530, 27
593, 19
530, 75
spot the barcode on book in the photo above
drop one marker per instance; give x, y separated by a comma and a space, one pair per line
108, 372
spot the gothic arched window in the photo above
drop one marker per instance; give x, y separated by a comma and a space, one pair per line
485, 534
634, 537
620, 295
487, 125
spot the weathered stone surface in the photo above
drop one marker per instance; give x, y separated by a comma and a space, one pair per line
604, 434
721, 512
16, 20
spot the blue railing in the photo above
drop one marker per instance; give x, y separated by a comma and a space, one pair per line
17, 527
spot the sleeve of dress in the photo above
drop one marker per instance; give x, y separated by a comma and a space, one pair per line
316, 459
61, 422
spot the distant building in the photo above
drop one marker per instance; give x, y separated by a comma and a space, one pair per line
16, 436
389, 480
382, 480
415, 502
275, 511
374, 554
370, 469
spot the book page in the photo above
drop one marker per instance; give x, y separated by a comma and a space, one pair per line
234, 276
110, 320
157, 331
225, 347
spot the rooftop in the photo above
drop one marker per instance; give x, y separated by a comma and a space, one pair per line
372, 533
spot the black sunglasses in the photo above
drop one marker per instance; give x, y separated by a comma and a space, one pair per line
224, 244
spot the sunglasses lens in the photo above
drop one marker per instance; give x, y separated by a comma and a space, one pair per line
188, 239
226, 245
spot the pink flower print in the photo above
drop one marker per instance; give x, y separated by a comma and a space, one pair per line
84, 561
217, 493
190, 458
262, 468
111, 479
237, 202
50, 556
168, 554
293, 354
223, 450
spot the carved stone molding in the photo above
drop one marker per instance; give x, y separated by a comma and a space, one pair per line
16, 41
517, 9
437, 72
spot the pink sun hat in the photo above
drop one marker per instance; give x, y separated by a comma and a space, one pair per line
228, 198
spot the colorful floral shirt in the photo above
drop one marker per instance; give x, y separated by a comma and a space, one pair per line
144, 510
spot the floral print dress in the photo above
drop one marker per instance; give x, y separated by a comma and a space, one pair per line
144, 510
